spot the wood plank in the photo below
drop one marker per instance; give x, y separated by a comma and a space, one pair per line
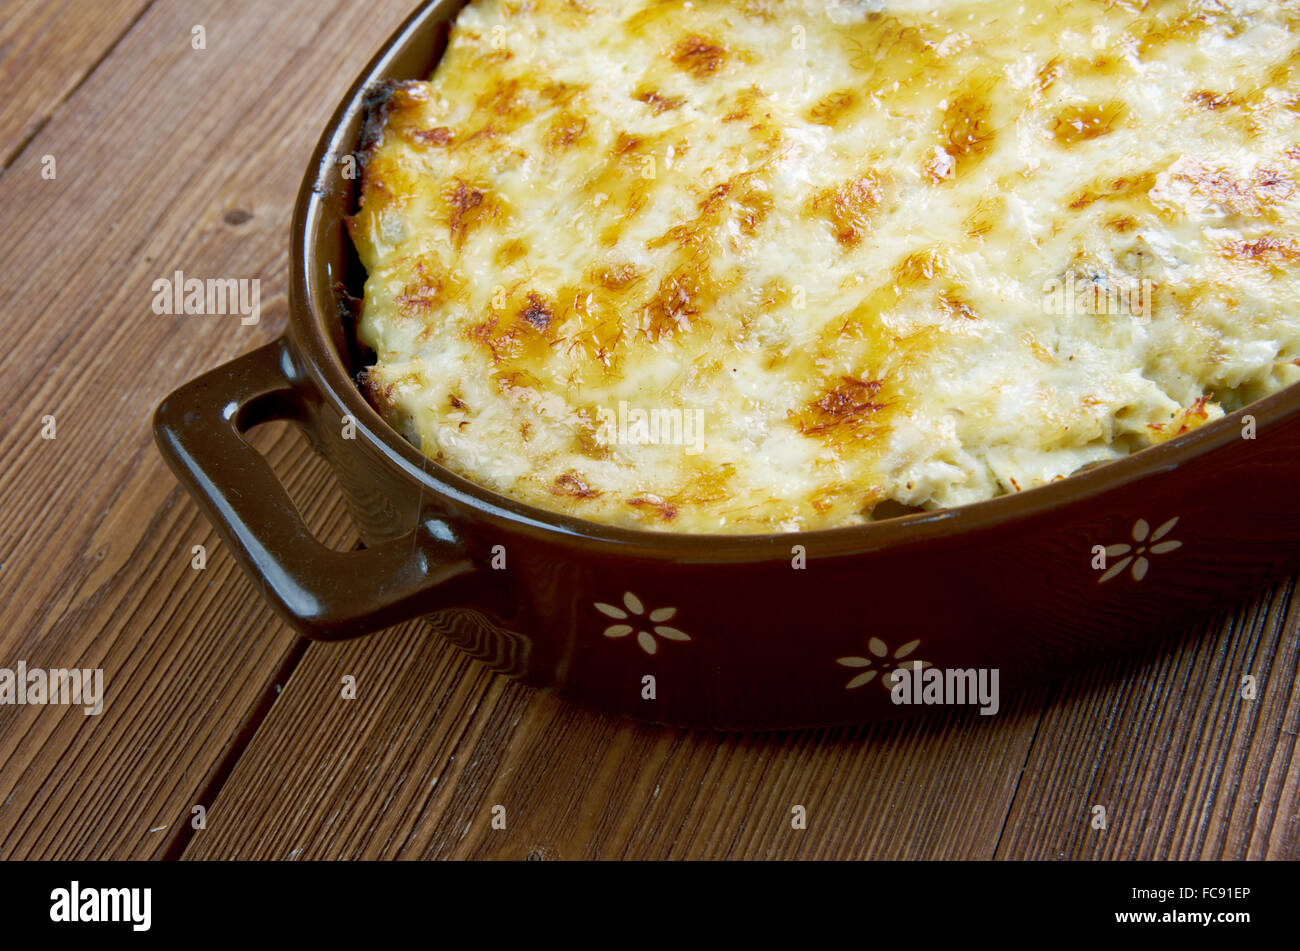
47, 49
168, 638
1184, 766
414, 765
94, 557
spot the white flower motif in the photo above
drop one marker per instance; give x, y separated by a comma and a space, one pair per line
635, 611
879, 663
1145, 542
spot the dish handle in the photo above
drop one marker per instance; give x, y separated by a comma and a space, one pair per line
324, 594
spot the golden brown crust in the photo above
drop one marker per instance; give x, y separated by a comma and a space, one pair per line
681, 265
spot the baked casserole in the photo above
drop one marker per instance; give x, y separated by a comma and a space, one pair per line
747, 266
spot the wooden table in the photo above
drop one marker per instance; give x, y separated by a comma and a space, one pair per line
166, 158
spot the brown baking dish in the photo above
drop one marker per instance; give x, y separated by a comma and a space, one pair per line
771, 631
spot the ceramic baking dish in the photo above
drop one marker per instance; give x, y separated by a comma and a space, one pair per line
735, 632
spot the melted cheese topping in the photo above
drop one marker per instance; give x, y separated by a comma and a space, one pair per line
749, 266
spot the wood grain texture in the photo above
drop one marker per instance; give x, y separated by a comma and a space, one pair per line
171, 158
187, 656
95, 556
47, 49
1185, 766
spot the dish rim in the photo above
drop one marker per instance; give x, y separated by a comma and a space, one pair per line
310, 273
